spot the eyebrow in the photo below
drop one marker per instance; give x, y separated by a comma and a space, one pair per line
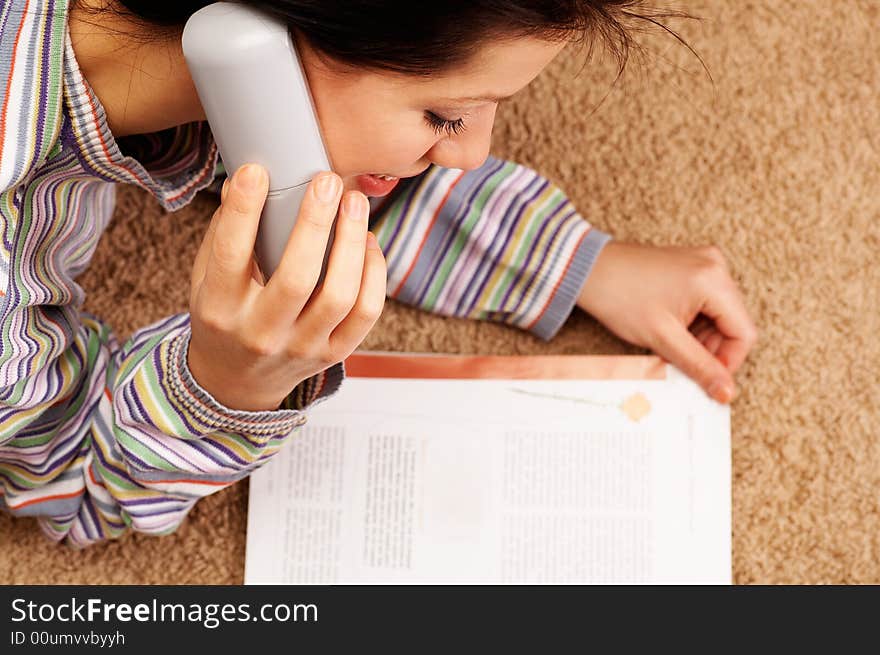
488, 98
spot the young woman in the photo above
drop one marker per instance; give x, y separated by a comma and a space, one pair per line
97, 437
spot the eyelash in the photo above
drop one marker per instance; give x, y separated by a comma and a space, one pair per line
443, 124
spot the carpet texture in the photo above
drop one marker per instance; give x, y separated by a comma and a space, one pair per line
776, 159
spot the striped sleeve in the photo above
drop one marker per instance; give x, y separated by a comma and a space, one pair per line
99, 437
29, 103
498, 243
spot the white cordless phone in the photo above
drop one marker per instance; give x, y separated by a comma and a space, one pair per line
256, 97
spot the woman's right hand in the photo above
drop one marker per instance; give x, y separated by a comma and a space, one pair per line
253, 343
681, 302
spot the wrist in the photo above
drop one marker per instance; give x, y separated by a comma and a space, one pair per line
225, 392
597, 280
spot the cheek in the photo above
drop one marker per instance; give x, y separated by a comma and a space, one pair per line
391, 145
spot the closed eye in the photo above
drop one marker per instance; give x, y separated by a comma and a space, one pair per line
440, 124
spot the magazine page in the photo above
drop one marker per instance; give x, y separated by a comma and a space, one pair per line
455, 469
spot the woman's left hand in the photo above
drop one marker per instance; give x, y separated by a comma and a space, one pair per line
651, 296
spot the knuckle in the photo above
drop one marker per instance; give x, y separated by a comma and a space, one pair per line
297, 350
260, 345
337, 351
212, 319
368, 311
294, 286
709, 272
712, 252
334, 303
715, 256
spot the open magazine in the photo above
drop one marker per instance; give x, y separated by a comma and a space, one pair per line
563, 469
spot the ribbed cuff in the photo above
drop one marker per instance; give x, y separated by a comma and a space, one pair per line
316, 389
210, 411
220, 175
572, 283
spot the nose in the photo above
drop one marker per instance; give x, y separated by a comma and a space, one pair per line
469, 149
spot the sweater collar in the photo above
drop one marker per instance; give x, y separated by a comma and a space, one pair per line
172, 164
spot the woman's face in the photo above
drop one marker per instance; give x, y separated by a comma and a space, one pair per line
379, 123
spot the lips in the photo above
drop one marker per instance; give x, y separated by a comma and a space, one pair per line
381, 184
375, 186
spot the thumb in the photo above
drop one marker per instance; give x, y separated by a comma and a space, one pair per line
678, 346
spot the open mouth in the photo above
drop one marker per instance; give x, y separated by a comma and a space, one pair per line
376, 185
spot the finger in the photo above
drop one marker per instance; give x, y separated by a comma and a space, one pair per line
339, 291
201, 261
200, 264
683, 350
229, 267
703, 334
726, 307
370, 301
293, 282
713, 342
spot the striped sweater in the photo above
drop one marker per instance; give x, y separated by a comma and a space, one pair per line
99, 437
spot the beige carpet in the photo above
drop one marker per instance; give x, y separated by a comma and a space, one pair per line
778, 163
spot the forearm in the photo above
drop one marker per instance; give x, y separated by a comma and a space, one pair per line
597, 279
499, 243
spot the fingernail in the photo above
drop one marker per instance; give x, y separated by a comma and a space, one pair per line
251, 177
328, 185
354, 205
372, 241
721, 391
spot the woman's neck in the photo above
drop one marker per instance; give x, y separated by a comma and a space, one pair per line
143, 87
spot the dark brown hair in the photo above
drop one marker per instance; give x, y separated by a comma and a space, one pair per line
426, 38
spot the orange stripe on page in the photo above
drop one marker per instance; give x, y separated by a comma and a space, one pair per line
427, 234
6, 94
559, 281
46, 499
366, 364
